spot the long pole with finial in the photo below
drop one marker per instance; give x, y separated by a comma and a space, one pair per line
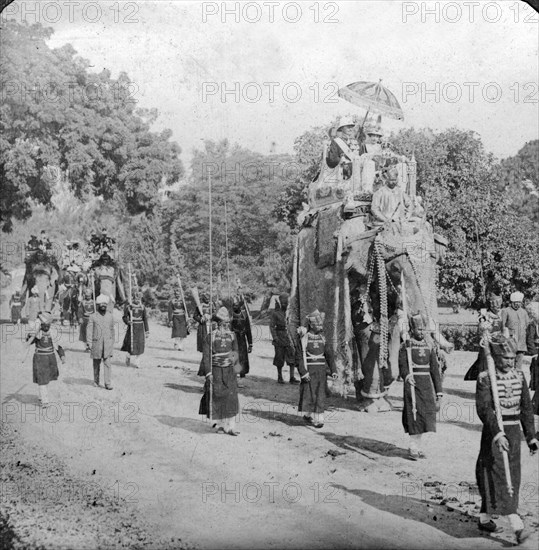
226, 252
211, 301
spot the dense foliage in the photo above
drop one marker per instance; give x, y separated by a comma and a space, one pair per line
73, 141
56, 115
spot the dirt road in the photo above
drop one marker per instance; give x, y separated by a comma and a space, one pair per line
279, 484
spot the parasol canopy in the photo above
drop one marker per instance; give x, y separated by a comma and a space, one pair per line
373, 97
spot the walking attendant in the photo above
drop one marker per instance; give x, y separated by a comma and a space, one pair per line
45, 366
313, 370
503, 405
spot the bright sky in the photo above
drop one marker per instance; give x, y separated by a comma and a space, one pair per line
174, 56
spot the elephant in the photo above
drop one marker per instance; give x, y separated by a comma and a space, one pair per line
109, 279
364, 278
42, 271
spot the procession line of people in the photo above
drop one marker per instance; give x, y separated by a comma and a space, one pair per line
225, 342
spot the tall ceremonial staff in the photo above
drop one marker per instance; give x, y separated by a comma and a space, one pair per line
92, 279
226, 252
211, 300
408, 349
130, 307
497, 409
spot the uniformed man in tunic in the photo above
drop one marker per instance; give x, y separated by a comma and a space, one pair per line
86, 308
136, 319
220, 361
202, 317
532, 342
313, 369
177, 319
516, 319
241, 327
45, 366
15, 303
284, 350
490, 323
419, 369
516, 410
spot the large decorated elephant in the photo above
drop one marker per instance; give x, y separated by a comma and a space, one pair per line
367, 275
41, 272
363, 280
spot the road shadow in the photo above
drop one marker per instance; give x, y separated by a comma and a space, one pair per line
251, 412
77, 350
464, 394
25, 398
184, 423
78, 381
461, 424
182, 387
416, 510
184, 360
360, 444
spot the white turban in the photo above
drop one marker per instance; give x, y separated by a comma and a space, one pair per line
102, 299
516, 297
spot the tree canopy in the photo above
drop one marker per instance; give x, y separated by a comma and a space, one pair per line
55, 113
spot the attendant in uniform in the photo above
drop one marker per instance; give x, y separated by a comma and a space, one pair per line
532, 342
136, 319
45, 366
15, 303
284, 350
422, 386
490, 323
177, 319
100, 339
220, 360
86, 308
313, 370
516, 409
204, 325
516, 320
241, 327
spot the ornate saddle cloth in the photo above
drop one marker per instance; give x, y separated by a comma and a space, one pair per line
328, 222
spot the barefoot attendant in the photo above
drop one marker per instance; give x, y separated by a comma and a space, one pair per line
45, 366
220, 360
136, 319
202, 316
15, 303
284, 350
86, 308
515, 409
490, 323
418, 367
241, 327
100, 340
313, 370
177, 319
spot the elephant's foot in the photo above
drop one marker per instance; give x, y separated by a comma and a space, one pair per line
374, 405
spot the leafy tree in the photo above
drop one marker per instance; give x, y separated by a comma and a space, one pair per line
55, 113
245, 186
519, 175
